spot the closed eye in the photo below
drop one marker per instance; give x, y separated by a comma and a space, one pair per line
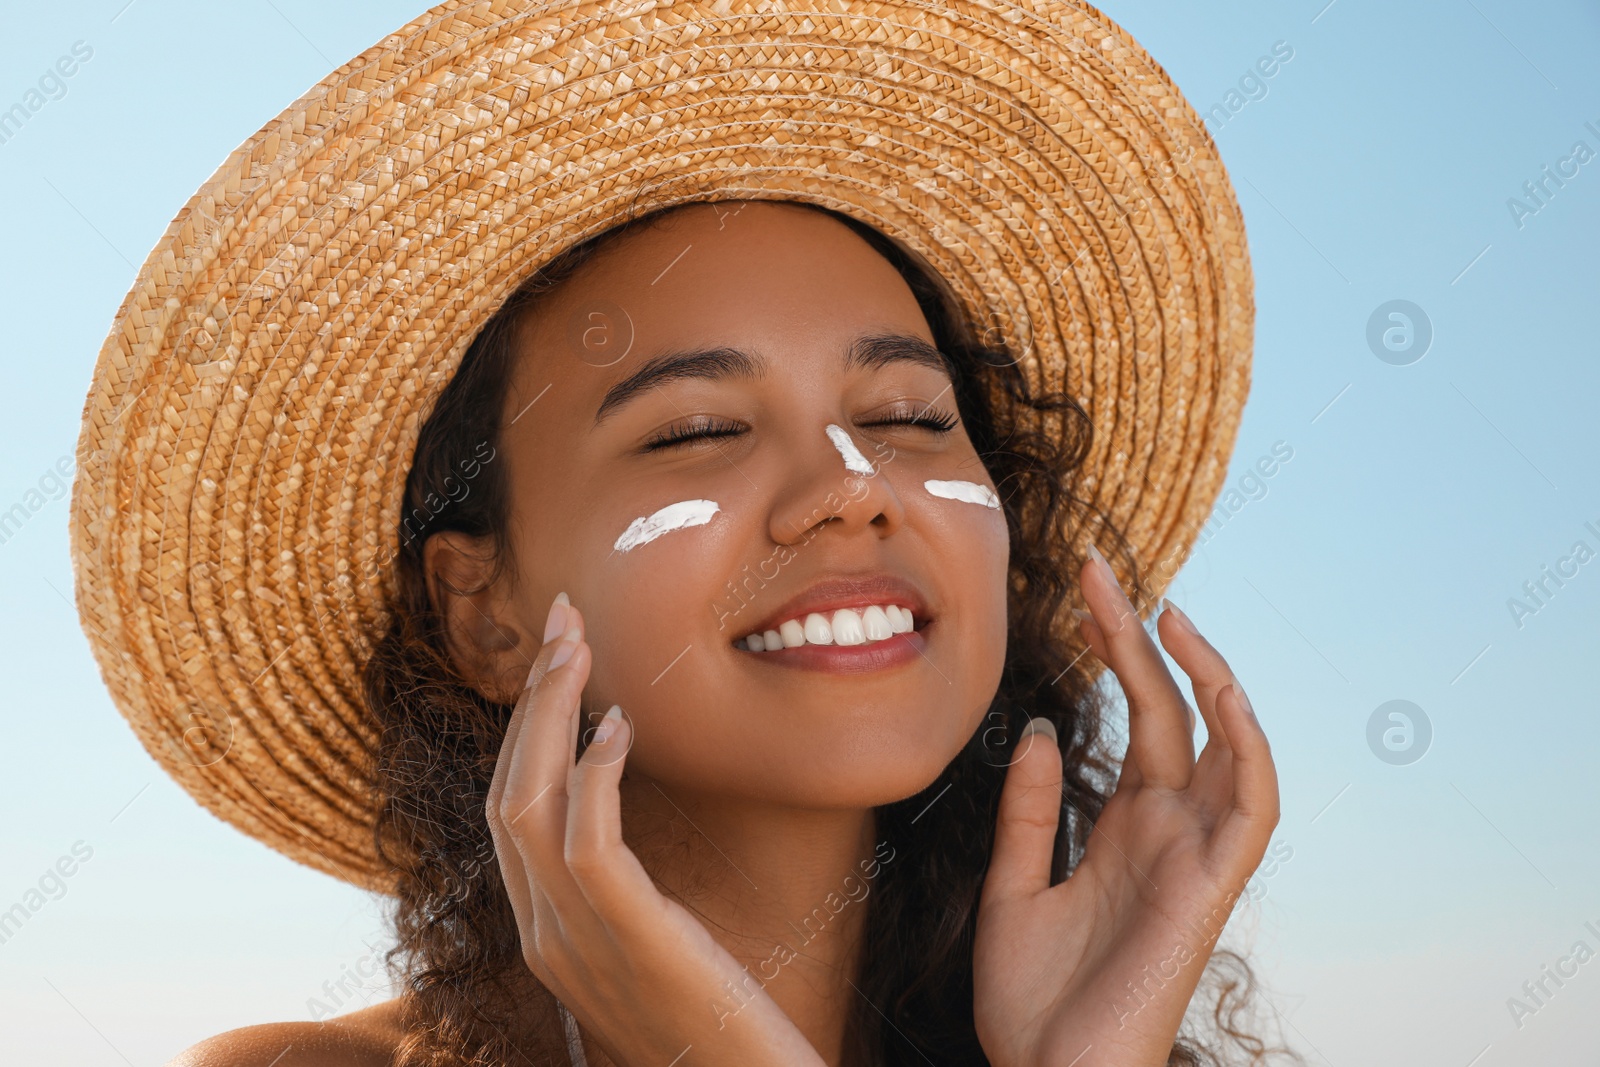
692, 430
696, 429
938, 421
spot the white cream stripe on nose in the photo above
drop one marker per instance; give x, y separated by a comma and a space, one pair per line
853, 459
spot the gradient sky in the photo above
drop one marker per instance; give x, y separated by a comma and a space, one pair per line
1377, 563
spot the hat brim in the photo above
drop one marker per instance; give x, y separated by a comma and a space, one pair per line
253, 411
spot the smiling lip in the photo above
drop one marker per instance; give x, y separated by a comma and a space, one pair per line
859, 592
851, 659
829, 596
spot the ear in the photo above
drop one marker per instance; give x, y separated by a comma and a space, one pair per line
490, 645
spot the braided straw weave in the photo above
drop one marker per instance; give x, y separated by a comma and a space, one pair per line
249, 427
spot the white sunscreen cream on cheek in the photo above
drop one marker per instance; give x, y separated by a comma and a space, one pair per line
853, 459
970, 492
677, 516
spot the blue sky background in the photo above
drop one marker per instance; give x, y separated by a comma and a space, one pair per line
1374, 565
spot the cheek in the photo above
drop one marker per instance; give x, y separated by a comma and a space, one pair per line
648, 585
970, 526
964, 522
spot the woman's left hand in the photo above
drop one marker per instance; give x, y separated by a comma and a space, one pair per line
1097, 970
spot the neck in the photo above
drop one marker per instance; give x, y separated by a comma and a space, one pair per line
783, 889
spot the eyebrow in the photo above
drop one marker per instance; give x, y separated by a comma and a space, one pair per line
871, 352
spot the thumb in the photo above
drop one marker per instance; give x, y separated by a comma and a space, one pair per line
1030, 809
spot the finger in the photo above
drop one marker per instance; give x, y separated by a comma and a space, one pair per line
512, 871
1092, 635
1128, 776
533, 804
1159, 741
1097, 644
606, 871
1208, 672
1242, 835
1030, 809
555, 624
537, 753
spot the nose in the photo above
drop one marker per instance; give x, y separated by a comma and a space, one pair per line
822, 492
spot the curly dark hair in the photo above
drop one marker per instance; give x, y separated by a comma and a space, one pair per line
458, 958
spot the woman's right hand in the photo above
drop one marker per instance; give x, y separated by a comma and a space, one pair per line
637, 970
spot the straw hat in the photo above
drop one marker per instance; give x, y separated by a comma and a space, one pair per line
249, 427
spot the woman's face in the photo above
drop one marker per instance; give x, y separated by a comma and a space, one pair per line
764, 324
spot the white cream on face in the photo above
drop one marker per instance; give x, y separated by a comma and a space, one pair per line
853, 459
672, 517
970, 492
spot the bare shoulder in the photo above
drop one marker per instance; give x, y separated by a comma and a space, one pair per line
365, 1038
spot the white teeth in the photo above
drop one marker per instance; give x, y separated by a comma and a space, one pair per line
876, 623
794, 633
845, 627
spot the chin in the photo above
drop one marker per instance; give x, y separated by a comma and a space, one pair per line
861, 761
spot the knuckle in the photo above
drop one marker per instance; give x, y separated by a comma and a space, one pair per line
583, 859
513, 808
536, 677
545, 951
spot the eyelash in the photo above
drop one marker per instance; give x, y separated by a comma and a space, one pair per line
936, 421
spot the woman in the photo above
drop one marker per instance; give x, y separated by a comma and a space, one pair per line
745, 482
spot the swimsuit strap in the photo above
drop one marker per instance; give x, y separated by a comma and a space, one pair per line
574, 1041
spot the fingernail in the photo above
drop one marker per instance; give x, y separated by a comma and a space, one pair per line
1111, 575
1038, 725
1080, 614
556, 621
1111, 579
1238, 691
608, 725
1178, 615
568, 645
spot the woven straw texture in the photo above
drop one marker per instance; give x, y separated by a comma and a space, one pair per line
253, 411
